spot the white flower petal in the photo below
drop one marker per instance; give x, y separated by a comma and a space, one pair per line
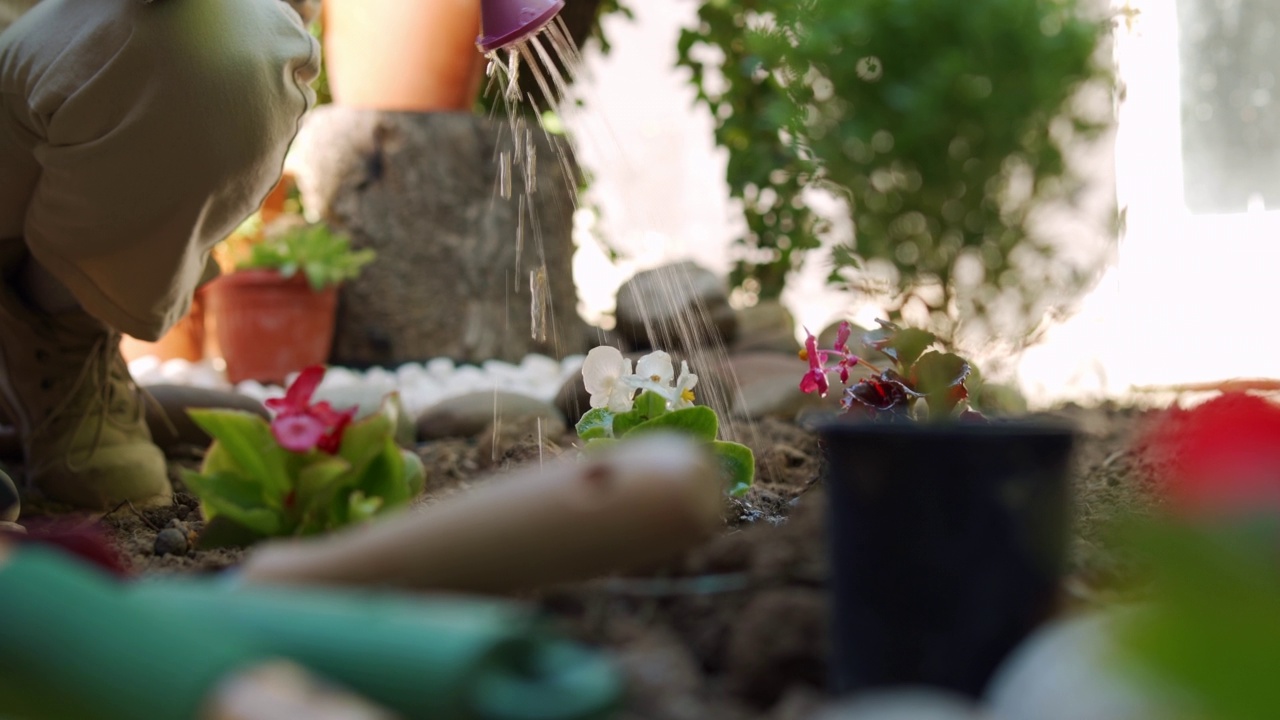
602, 369
656, 366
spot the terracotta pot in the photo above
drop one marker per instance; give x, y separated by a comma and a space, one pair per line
947, 544
269, 326
184, 341
409, 55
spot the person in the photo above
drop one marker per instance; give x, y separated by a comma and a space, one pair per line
134, 136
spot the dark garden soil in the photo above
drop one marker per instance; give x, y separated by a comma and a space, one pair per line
736, 628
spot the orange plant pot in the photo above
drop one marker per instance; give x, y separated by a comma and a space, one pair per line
269, 326
184, 341
403, 55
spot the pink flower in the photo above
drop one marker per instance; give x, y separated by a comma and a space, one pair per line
300, 426
815, 380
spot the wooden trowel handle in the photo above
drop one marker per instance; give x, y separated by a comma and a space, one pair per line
643, 501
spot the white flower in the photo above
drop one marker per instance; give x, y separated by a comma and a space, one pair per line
655, 373
605, 373
683, 396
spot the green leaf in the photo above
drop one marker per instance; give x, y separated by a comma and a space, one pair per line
650, 405
623, 423
906, 345
238, 498
246, 438
599, 444
415, 473
361, 508
1216, 596
364, 440
940, 378
223, 532
698, 421
737, 463
596, 423
317, 484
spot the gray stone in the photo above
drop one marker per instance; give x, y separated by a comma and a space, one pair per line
171, 541
10, 502
451, 278
675, 307
766, 326
471, 414
171, 426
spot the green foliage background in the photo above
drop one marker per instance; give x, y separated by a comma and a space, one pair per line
942, 124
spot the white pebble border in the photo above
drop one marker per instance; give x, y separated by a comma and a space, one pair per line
421, 385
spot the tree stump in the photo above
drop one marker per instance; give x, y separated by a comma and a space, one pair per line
450, 280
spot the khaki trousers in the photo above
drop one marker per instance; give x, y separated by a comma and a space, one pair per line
134, 136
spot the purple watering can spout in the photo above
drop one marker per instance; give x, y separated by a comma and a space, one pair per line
505, 22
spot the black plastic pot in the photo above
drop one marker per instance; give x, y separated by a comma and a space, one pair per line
946, 543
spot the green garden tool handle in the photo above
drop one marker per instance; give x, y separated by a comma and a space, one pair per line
422, 657
74, 646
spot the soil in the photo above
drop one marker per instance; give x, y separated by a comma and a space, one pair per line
737, 628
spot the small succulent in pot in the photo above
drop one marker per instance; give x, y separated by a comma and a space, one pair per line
915, 372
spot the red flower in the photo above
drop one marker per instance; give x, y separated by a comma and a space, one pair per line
300, 426
1222, 457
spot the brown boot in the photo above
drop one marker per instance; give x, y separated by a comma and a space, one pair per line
67, 389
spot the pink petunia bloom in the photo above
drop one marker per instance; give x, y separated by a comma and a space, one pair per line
300, 426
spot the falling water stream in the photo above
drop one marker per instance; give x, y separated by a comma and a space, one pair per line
517, 152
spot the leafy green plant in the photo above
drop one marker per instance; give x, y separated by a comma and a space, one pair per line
309, 470
324, 257
942, 124
664, 404
916, 372
766, 173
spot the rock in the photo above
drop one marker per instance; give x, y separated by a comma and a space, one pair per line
1066, 671
767, 326
471, 414
451, 279
10, 502
908, 703
167, 417
674, 307
171, 541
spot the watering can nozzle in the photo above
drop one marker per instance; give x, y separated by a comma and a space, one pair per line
506, 22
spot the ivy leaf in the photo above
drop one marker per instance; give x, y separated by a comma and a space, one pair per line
596, 423
699, 422
737, 463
